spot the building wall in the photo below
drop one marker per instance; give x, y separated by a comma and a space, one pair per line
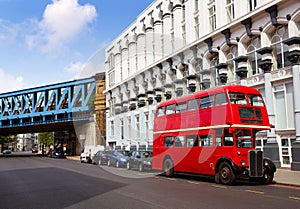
177, 47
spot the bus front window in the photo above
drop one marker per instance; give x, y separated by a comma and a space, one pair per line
243, 139
237, 98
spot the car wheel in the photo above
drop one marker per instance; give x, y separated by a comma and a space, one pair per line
128, 165
141, 167
117, 164
226, 175
168, 167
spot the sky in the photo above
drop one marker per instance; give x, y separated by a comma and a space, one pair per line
51, 41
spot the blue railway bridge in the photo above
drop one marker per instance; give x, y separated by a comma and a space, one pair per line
47, 108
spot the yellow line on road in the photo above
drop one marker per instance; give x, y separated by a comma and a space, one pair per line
171, 179
219, 186
256, 192
156, 177
294, 198
193, 182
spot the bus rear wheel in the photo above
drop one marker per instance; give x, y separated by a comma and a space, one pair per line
168, 167
226, 175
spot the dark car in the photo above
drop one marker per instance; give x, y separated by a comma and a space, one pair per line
141, 160
96, 158
118, 158
56, 153
104, 156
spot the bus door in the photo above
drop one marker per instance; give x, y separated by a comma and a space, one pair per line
206, 155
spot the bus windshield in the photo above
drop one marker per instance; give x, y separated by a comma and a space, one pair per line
243, 139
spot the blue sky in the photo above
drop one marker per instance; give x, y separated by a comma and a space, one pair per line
50, 41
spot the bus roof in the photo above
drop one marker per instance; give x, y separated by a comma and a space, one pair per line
211, 91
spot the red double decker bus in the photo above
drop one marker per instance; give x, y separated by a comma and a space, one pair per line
213, 132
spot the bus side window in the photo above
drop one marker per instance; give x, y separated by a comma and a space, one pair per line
181, 107
160, 112
193, 104
168, 141
170, 109
206, 101
179, 141
221, 99
219, 133
228, 138
206, 140
192, 141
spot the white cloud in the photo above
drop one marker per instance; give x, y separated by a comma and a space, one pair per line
74, 69
62, 21
9, 82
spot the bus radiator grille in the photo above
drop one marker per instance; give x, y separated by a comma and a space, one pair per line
255, 163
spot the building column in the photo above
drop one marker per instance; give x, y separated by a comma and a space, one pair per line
294, 57
167, 26
222, 68
271, 148
157, 27
177, 14
241, 71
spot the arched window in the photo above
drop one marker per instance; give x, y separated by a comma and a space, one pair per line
280, 50
213, 62
231, 64
253, 56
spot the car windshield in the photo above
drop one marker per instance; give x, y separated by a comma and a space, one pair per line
122, 152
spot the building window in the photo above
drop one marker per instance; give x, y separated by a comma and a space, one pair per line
214, 61
253, 57
231, 64
111, 61
137, 122
230, 10
280, 50
284, 113
122, 128
252, 4
197, 27
129, 127
111, 77
212, 17
111, 124
147, 126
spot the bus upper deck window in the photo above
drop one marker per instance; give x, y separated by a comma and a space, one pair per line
237, 98
206, 101
160, 112
255, 100
221, 99
170, 109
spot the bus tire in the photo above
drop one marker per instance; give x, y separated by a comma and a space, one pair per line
168, 167
226, 174
267, 177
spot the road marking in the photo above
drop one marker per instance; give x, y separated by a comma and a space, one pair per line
219, 186
156, 177
284, 186
193, 182
171, 179
294, 198
253, 191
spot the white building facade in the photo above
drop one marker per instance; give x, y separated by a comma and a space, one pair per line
177, 47
25, 142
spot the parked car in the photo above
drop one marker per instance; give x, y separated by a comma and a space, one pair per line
6, 152
88, 153
105, 155
118, 158
96, 157
34, 150
141, 160
56, 154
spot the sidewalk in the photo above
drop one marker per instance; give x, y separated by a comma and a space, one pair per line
287, 177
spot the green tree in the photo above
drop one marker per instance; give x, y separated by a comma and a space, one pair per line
46, 139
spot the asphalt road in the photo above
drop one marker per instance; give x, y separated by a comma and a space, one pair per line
40, 182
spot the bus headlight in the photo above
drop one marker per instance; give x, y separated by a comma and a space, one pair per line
242, 162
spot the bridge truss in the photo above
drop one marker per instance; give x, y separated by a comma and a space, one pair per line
47, 108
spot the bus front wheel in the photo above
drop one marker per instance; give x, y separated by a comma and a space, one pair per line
226, 174
168, 167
